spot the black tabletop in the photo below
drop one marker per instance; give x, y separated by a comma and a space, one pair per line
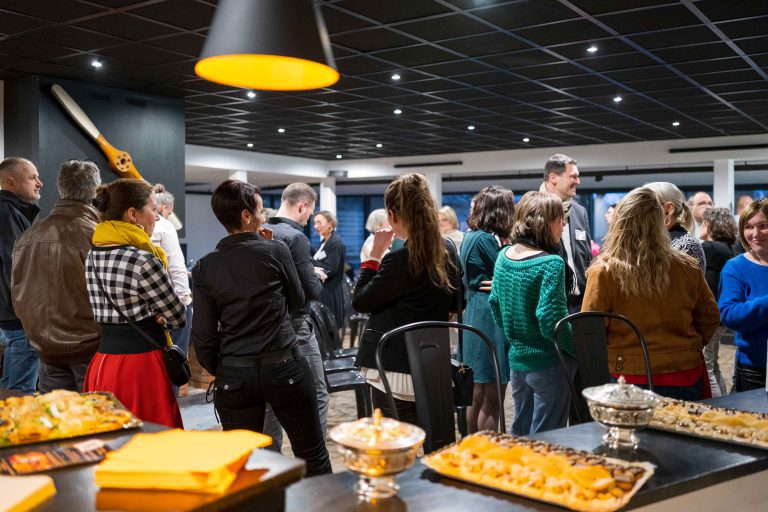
683, 464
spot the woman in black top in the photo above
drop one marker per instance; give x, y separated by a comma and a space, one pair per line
331, 256
718, 234
244, 293
411, 284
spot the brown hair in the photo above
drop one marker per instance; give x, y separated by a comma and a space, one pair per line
755, 207
557, 164
330, 217
533, 216
298, 192
114, 199
409, 198
721, 226
494, 211
230, 199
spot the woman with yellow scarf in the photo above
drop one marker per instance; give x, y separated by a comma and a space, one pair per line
125, 270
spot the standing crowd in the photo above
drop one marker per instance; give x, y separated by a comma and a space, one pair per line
92, 294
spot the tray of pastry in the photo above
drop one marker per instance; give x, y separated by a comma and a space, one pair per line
711, 422
542, 471
61, 414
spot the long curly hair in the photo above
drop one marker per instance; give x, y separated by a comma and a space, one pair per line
409, 198
637, 249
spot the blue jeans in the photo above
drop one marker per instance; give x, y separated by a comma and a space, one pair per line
542, 398
20, 361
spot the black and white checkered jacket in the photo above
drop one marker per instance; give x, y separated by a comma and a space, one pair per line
137, 283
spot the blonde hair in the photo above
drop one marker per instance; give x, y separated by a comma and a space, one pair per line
533, 216
669, 193
409, 198
450, 215
637, 250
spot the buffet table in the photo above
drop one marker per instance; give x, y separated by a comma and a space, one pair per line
683, 465
260, 484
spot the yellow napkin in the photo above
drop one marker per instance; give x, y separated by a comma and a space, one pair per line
22, 493
185, 460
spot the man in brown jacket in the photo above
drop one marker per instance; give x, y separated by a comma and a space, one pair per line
48, 281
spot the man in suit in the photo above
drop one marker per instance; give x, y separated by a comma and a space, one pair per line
561, 177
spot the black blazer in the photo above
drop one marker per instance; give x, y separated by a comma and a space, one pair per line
394, 298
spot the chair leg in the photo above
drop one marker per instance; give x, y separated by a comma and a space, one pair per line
461, 420
363, 401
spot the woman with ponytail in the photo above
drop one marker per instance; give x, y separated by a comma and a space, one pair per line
125, 270
414, 283
678, 220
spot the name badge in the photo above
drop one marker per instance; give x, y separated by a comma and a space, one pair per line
580, 234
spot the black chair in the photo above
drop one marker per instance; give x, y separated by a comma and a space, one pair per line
356, 324
590, 343
330, 344
429, 356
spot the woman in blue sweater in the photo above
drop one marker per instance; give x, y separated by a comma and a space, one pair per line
527, 300
744, 298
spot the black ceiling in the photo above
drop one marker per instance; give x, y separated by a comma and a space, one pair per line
513, 69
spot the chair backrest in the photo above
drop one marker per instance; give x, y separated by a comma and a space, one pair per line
325, 328
428, 348
590, 343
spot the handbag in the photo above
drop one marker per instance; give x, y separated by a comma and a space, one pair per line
176, 362
462, 374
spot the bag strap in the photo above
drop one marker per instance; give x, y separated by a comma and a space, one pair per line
114, 306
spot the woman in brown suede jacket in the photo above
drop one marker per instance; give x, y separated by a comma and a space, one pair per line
639, 275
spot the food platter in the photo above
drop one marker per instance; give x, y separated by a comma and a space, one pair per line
542, 471
61, 415
710, 422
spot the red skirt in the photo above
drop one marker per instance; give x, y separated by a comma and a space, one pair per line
140, 382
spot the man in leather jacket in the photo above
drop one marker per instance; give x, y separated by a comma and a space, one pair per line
48, 283
20, 185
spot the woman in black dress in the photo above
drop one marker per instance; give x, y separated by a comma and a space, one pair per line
331, 256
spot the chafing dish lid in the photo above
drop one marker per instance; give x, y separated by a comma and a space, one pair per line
622, 395
377, 433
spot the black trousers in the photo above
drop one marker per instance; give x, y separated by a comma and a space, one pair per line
748, 377
406, 410
289, 387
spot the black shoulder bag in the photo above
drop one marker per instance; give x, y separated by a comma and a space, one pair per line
462, 375
176, 362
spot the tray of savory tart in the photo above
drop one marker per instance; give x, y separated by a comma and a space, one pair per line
542, 471
712, 422
61, 414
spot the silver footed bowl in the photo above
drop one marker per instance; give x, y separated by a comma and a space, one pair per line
623, 409
377, 448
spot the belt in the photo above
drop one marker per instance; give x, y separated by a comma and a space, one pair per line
250, 361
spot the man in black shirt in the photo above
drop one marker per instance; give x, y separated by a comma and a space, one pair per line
296, 207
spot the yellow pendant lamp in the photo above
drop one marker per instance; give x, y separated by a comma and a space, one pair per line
275, 45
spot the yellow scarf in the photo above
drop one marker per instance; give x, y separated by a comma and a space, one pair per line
117, 232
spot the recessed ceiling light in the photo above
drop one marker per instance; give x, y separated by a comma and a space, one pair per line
397, 111
379, 145
526, 139
676, 123
281, 130
471, 127
338, 156
395, 77
95, 63
251, 94
250, 144
592, 49
617, 99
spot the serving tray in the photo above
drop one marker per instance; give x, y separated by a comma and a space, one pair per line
541, 471
61, 415
711, 422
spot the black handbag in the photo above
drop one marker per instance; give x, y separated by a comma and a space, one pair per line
176, 362
462, 374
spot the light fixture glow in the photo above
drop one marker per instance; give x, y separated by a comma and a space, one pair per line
526, 139
676, 123
617, 99
250, 144
471, 127
268, 45
592, 49
281, 130
338, 157
395, 77
397, 111
251, 94
379, 145
95, 63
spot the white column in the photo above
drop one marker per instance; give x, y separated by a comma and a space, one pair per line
723, 184
239, 175
328, 195
435, 180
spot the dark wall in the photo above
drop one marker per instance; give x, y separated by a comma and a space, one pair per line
149, 128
